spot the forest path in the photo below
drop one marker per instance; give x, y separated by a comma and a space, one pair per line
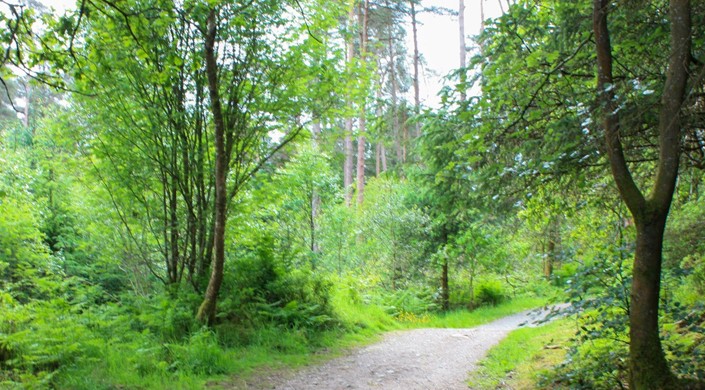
414, 359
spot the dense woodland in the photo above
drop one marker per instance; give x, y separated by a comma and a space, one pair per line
189, 185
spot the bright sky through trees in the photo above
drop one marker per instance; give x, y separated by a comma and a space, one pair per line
437, 39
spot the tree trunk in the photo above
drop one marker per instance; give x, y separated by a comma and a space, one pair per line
379, 147
417, 94
347, 142
361, 163
482, 16
378, 159
548, 264
364, 8
207, 310
383, 156
649, 369
648, 366
394, 85
463, 48
445, 290
348, 164
315, 197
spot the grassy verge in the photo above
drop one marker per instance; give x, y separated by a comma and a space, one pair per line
230, 357
521, 359
365, 324
485, 314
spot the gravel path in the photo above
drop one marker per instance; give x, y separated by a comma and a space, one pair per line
415, 359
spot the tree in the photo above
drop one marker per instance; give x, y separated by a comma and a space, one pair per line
151, 148
192, 69
245, 97
364, 38
416, 61
347, 137
463, 48
518, 141
648, 365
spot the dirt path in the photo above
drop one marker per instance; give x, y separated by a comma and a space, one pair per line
415, 359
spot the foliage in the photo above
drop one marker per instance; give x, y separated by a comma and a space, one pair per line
410, 301
382, 241
107, 193
599, 294
265, 292
490, 292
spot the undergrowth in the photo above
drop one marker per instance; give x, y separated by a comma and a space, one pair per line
154, 343
524, 357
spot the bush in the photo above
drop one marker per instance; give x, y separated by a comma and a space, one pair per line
264, 292
202, 355
489, 292
168, 318
38, 339
599, 365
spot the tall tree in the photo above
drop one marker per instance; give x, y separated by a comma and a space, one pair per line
416, 60
347, 137
463, 48
364, 11
206, 313
248, 103
147, 97
648, 365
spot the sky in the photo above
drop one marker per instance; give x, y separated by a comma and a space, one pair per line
438, 39
439, 42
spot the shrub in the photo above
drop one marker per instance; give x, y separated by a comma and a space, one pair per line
38, 339
599, 365
264, 292
202, 355
489, 292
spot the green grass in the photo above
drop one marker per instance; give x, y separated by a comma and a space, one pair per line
365, 324
230, 356
521, 359
479, 316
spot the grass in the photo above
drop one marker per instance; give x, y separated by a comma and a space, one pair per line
365, 325
479, 316
229, 357
521, 359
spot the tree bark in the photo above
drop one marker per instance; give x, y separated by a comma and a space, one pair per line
207, 310
394, 85
482, 16
378, 159
548, 264
445, 290
383, 156
417, 94
648, 366
361, 162
463, 48
364, 9
347, 142
348, 164
315, 197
